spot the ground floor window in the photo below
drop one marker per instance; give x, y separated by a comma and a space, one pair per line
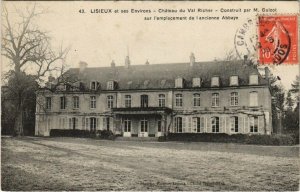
93, 123
159, 127
178, 124
144, 126
196, 124
127, 125
215, 124
254, 124
234, 124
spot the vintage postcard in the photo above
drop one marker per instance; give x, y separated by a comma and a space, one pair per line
150, 95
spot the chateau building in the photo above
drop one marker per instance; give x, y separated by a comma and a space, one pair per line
151, 100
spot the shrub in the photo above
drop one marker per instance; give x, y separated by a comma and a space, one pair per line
105, 134
69, 133
235, 138
162, 138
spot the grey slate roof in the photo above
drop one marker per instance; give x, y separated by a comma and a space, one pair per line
161, 76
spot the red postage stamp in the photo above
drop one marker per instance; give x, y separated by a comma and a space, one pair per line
278, 39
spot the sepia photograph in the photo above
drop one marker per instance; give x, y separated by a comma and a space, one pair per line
150, 96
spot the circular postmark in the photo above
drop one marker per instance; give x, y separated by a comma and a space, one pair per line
245, 41
274, 40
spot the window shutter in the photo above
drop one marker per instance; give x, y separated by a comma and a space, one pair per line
202, 124
111, 123
76, 123
189, 119
83, 123
228, 125
247, 125
261, 124
70, 123
175, 124
241, 123
222, 125
87, 123
184, 119
209, 128
97, 123
104, 123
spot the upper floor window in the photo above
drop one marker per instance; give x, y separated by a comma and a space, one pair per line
62, 102
161, 100
178, 124
196, 100
75, 102
110, 85
178, 100
94, 85
93, 102
215, 100
127, 100
215, 124
144, 100
110, 101
179, 83
253, 79
254, 124
234, 124
215, 82
253, 99
197, 82
234, 80
234, 99
48, 102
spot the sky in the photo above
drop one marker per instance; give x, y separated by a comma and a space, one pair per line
99, 38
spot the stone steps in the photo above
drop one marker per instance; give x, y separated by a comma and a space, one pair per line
136, 139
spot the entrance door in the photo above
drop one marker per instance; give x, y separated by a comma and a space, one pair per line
144, 128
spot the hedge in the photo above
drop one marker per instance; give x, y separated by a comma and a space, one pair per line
69, 133
235, 138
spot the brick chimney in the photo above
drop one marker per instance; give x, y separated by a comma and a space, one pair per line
192, 59
112, 64
82, 66
127, 62
267, 74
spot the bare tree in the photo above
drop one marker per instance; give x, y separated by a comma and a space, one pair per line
27, 47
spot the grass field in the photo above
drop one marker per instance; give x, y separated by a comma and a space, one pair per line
87, 164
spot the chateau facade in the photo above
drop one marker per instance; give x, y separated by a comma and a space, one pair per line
151, 100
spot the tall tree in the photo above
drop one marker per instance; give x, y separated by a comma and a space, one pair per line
26, 47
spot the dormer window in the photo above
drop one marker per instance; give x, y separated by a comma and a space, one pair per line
197, 82
179, 83
253, 79
234, 80
94, 85
215, 82
110, 85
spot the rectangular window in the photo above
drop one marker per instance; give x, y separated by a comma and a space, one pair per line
159, 128
110, 85
127, 125
253, 79
234, 80
215, 124
62, 102
196, 124
196, 100
253, 124
215, 82
128, 101
234, 99
234, 124
196, 82
110, 101
144, 100
76, 102
144, 126
161, 100
93, 124
93, 102
253, 99
179, 83
215, 100
178, 124
178, 100
48, 102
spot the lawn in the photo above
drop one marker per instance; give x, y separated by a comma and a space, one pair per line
32, 163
